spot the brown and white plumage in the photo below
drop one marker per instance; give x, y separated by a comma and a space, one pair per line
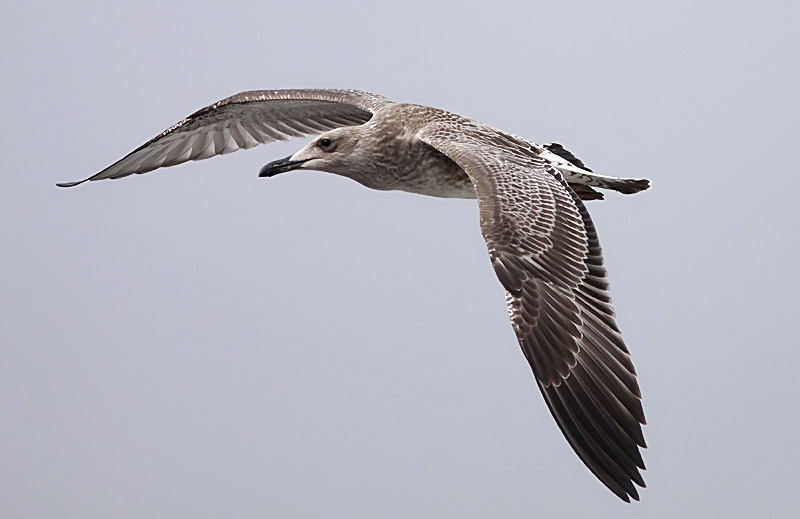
541, 240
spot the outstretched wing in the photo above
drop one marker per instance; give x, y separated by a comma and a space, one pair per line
545, 252
243, 121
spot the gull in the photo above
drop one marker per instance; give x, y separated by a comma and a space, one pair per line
542, 243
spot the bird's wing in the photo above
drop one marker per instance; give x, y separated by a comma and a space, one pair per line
545, 251
243, 121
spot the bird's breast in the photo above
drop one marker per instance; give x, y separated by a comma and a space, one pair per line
415, 167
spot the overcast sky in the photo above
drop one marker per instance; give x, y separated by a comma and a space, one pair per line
199, 342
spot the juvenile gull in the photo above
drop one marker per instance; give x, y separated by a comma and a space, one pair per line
541, 240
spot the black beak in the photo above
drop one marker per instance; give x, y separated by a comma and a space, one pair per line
280, 166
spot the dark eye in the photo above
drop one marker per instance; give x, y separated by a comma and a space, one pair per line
325, 143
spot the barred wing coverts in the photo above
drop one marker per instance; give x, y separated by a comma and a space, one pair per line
545, 251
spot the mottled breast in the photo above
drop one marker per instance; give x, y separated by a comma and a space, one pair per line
405, 163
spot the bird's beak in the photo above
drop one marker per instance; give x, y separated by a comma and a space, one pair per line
281, 166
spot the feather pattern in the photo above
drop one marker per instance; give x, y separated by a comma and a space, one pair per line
545, 251
245, 120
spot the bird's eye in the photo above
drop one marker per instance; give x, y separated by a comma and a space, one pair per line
325, 143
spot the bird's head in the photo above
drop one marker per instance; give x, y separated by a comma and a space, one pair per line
333, 151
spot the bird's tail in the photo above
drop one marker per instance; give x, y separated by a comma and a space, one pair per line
576, 172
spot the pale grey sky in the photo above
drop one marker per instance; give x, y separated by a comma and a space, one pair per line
200, 342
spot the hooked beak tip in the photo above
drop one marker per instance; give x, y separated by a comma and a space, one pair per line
280, 166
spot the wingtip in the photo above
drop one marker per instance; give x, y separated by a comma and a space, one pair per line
629, 496
71, 184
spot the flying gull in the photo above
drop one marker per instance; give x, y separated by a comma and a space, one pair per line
542, 243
